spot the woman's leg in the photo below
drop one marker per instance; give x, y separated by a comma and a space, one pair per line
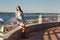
23, 32
18, 23
23, 29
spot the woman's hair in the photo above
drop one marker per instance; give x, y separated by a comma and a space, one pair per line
19, 8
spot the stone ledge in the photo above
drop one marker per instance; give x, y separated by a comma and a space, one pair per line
16, 33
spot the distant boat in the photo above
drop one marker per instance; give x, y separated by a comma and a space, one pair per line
1, 20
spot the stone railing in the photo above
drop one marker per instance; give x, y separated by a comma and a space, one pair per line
16, 33
1, 33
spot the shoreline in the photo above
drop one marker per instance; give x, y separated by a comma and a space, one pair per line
26, 13
7, 13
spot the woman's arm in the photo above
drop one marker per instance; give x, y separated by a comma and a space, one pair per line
22, 15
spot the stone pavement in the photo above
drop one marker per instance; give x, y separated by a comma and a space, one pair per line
52, 33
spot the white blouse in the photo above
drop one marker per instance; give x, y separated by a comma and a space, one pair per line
19, 15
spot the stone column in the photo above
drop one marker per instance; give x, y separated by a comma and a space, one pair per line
1, 29
1, 33
58, 18
40, 18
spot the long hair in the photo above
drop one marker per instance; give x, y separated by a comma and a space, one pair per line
19, 9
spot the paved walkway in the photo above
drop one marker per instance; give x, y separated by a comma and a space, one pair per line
45, 34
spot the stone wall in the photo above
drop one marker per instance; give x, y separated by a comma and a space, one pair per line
29, 28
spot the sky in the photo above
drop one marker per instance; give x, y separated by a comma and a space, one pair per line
29, 6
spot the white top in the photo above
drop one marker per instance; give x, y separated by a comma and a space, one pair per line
19, 15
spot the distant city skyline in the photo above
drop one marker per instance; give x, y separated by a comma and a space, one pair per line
31, 6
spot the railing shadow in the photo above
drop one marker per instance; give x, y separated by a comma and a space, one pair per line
50, 33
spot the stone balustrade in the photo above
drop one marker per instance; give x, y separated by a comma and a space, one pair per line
16, 33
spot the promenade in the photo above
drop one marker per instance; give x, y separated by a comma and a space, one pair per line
45, 31
52, 33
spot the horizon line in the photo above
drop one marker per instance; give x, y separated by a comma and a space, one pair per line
31, 12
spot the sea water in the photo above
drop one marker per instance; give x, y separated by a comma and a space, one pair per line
28, 16
5, 17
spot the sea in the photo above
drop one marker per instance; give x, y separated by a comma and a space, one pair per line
27, 16
6, 17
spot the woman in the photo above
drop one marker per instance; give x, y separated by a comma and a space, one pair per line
20, 20
20, 17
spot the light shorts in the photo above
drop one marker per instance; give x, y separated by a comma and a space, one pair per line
22, 24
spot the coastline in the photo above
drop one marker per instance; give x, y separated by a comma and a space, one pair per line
26, 13
7, 13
